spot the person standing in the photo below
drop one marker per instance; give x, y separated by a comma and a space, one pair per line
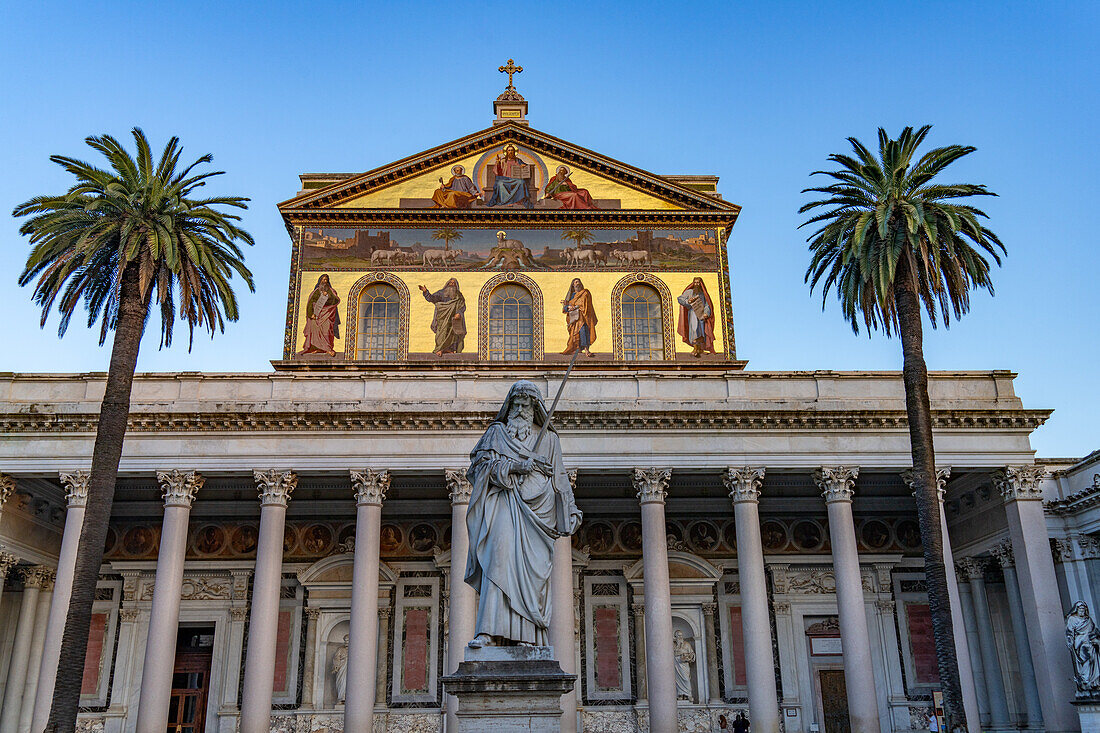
449, 321
322, 319
580, 318
696, 326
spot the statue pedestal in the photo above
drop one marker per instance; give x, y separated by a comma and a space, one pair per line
509, 688
1088, 709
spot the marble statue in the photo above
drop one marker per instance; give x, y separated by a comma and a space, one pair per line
521, 501
1083, 640
340, 670
684, 655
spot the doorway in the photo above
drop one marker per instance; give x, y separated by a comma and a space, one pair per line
834, 700
191, 680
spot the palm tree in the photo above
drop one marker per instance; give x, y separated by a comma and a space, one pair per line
446, 235
578, 237
113, 238
892, 243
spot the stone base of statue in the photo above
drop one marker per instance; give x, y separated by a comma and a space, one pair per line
1088, 709
509, 688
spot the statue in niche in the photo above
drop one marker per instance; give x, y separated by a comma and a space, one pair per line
521, 501
1083, 640
340, 670
684, 654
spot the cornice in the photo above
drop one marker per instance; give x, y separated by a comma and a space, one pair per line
610, 218
578, 420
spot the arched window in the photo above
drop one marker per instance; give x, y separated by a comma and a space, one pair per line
378, 337
511, 324
642, 323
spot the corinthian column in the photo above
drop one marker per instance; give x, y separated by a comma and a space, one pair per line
1023, 496
562, 638
34, 580
370, 490
164, 617
974, 568
837, 484
744, 487
1003, 553
263, 626
462, 611
76, 484
651, 485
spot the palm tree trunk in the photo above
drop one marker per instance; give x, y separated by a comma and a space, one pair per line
110, 432
926, 488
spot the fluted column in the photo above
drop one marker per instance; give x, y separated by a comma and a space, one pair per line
837, 484
561, 636
651, 485
34, 580
370, 490
385, 613
309, 663
160, 645
1003, 553
638, 612
744, 487
974, 568
462, 612
263, 627
76, 485
1020, 488
34, 663
966, 604
714, 692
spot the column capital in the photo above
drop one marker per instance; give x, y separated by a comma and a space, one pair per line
76, 487
458, 486
743, 483
385, 611
652, 484
885, 607
38, 576
782, 608
7, 487
275, 486
239, 613
127, 615
909, 477
710, 608
1090, 546
1061, 548
370, 485
7, 562
837, 483
1002, 551
971, 568
180, 487
638, 609
1020, 483
312, 613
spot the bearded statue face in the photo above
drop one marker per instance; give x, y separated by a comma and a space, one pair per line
521, 416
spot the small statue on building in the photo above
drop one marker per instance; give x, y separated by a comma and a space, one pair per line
1083, 640
684, 655
340, 670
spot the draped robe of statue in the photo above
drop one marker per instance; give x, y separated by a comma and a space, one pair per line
1083, 640
513, 520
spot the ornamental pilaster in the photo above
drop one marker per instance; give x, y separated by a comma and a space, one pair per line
782, 608
971, 568
837, 483
76, 487
709, 609
1090, 546
38, 576
638, 609
7, 487
370, 486
652, 484
275, 486
743, 483
1020, 483
1002, 552
1061, 548
240, 613
7, 562
127, 615
458, 486
312, 613
180, 487
909, 477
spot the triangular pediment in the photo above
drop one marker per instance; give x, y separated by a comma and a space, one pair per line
597, 182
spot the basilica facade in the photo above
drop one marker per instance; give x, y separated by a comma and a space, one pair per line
749, 541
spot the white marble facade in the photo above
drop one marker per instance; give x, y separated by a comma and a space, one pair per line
659, 456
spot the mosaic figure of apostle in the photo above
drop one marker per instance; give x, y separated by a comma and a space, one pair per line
458, 193
580, 318
696, 325
509, 187
449, 321
560, 188
521, 502
322, 319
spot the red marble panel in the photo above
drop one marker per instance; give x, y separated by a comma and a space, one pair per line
414, 659
93, 659
608, 666
282, 651
737, 646
922, 643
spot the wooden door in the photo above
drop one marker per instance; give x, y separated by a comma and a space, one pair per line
190, 686
834, 700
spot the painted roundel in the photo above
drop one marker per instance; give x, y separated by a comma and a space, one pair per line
875, 534
600, 537
316, 539
209, 540
110, 541
138, 541
808, 535
703, 537
422, 537
244, 539
630, 536
908, 532
773, 535
389, 538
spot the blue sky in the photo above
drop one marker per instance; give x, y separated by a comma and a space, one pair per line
759, 94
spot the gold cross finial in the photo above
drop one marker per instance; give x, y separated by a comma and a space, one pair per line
510, 69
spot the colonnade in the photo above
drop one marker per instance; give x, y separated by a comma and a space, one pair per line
1025, 558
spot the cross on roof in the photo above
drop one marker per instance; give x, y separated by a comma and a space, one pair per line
510, 69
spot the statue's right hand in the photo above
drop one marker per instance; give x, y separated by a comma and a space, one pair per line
525, 467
